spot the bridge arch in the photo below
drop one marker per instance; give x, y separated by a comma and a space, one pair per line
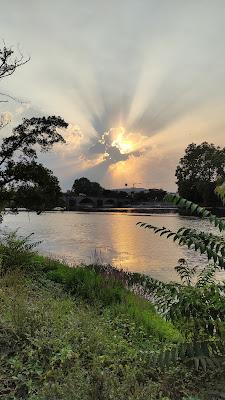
71, 202
99, 203
109, 202
87, 202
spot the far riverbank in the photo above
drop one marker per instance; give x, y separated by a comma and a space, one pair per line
147, 210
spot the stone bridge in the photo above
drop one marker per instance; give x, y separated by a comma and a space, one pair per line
74, 202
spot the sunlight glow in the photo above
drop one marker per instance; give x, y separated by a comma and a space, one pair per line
125, 146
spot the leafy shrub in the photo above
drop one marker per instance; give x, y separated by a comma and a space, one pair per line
16, 251
198, 310
213, 246
89, 285
202, 306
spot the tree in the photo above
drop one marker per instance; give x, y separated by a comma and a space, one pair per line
199, 171
44, 193
9, 62
83, 185
150, 195
21, 177
18, 152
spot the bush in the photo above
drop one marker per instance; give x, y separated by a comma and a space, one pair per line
16, 252
87, 284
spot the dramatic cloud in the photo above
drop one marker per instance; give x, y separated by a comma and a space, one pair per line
136, 80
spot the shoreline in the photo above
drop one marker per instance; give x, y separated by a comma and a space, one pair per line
151, 210
219, 211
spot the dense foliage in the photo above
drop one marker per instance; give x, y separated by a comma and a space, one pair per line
85, 186
33, 184
149, 195
41, 192
198, 172
198, 309
213, 246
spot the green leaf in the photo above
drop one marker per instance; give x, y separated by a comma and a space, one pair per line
221, 225
182, 202
188, 204
215, 257
194, 207
206, 213
209, 253
200, 210
170, 234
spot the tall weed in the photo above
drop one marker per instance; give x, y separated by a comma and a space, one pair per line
16, 251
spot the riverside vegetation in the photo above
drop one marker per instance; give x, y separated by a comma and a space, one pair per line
96, 333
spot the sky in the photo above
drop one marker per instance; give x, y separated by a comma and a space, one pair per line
137, 81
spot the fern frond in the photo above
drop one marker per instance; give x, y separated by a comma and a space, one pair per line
212, 246
185, 272
194, 208
206, 277
204, 355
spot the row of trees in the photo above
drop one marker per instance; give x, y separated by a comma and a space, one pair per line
85, 186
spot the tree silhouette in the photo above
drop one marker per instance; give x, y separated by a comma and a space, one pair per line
20, 173
198, 172
83, 185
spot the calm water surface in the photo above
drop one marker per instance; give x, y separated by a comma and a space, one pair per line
109, 237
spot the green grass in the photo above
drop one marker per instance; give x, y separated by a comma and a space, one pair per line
76, 334
55, 346
94, 288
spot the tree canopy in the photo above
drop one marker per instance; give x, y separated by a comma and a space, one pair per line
199, 171
44, 193
150, 195
22, 178
85, 186
18, 160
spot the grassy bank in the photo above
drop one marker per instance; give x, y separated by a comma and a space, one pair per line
78, 334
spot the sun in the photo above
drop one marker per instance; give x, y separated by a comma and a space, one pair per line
120, 141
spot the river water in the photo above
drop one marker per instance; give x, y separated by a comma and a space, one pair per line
110, 237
